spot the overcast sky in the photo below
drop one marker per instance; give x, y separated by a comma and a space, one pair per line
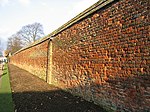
50, 13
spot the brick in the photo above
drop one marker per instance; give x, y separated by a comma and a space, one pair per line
104, 56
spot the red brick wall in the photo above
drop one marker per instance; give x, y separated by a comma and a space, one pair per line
104, 57
33, 59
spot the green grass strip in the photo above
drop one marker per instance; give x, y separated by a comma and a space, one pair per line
6, 103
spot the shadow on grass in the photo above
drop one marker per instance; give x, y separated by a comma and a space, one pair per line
52, 101
5, 102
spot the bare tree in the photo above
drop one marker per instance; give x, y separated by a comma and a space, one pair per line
14, 43
31, 32
28, 34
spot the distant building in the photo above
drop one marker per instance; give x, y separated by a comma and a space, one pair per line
3, 59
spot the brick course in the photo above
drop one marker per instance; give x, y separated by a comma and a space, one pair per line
104, 57
33, 59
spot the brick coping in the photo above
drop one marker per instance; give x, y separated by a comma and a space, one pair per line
98, 5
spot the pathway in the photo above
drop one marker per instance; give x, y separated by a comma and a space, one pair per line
31, 94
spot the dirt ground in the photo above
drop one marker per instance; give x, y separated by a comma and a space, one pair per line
31, 94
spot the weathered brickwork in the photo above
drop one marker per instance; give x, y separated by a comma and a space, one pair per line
104, 57
33, 59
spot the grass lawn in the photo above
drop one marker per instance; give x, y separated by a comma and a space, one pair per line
6, 103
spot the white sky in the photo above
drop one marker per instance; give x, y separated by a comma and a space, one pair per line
50, 13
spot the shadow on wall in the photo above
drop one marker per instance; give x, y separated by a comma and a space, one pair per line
130, 93
51, 101
118, 93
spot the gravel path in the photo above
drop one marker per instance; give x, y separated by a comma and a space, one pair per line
31, 94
